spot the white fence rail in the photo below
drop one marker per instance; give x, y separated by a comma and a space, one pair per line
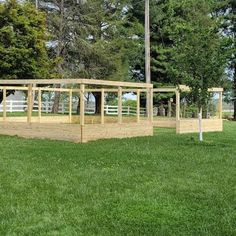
21, 106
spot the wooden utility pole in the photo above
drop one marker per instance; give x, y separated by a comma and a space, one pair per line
147, 43
147, 53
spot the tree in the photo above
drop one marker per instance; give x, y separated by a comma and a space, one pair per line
199, 57
23, 36
226, 9
90, 39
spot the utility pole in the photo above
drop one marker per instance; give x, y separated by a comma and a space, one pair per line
147, 43
147, 56
36, 4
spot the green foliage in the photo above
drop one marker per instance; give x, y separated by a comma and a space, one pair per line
23, 53
92, 39
199, 57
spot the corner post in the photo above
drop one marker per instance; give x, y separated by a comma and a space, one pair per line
70, 106
138, 106
120, 105
220, 104
82, 90
4, 104
102, 105
39, 104
151, 105
29, 103
177, 93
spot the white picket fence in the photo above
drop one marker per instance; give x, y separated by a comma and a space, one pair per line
21, 106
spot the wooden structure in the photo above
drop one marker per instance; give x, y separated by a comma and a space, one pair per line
74, 127
189, 125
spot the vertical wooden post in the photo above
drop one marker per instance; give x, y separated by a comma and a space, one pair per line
120, 105
39, 104
70, 106
151, 105
177, 105
220, 104
169, 108
82, 104
29, 104
102, 106
177, 112
82, 89
138, 106
148, 103
4, 104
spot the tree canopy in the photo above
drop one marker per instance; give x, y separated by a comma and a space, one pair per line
23, 38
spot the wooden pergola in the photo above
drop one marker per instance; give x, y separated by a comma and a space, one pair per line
140, 127
189, 125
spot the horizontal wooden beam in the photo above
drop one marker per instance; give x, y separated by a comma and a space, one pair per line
164, 90
76, 81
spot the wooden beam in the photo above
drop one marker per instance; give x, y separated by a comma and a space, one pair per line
70, 106
76, 81
39, 104
82, 87
102, 105
120, 105
29, 103
54, 89
138, 106
164, 90
4, 104
20, 88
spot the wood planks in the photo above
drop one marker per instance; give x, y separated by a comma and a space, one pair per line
107, 131
67, 132
191, 125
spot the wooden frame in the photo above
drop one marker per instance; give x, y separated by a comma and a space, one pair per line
119, 129
190, 125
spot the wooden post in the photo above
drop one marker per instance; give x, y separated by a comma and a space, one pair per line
169, 108
220, 104
120, 105
151, 105
82, 104
177, 106
148, 103
39, 104
4, 104
70, 106
138, 106
102, 106
29, 104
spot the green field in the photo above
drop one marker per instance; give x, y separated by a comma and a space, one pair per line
163, 185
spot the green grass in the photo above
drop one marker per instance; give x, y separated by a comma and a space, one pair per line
163, 185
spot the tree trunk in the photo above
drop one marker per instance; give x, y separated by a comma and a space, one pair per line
56, 101
97, 103
78, 108
200, 124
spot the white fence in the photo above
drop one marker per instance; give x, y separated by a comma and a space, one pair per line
21, 106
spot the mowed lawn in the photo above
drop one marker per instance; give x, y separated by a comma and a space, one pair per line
163, 185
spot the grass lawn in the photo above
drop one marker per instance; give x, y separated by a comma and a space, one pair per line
163, 185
